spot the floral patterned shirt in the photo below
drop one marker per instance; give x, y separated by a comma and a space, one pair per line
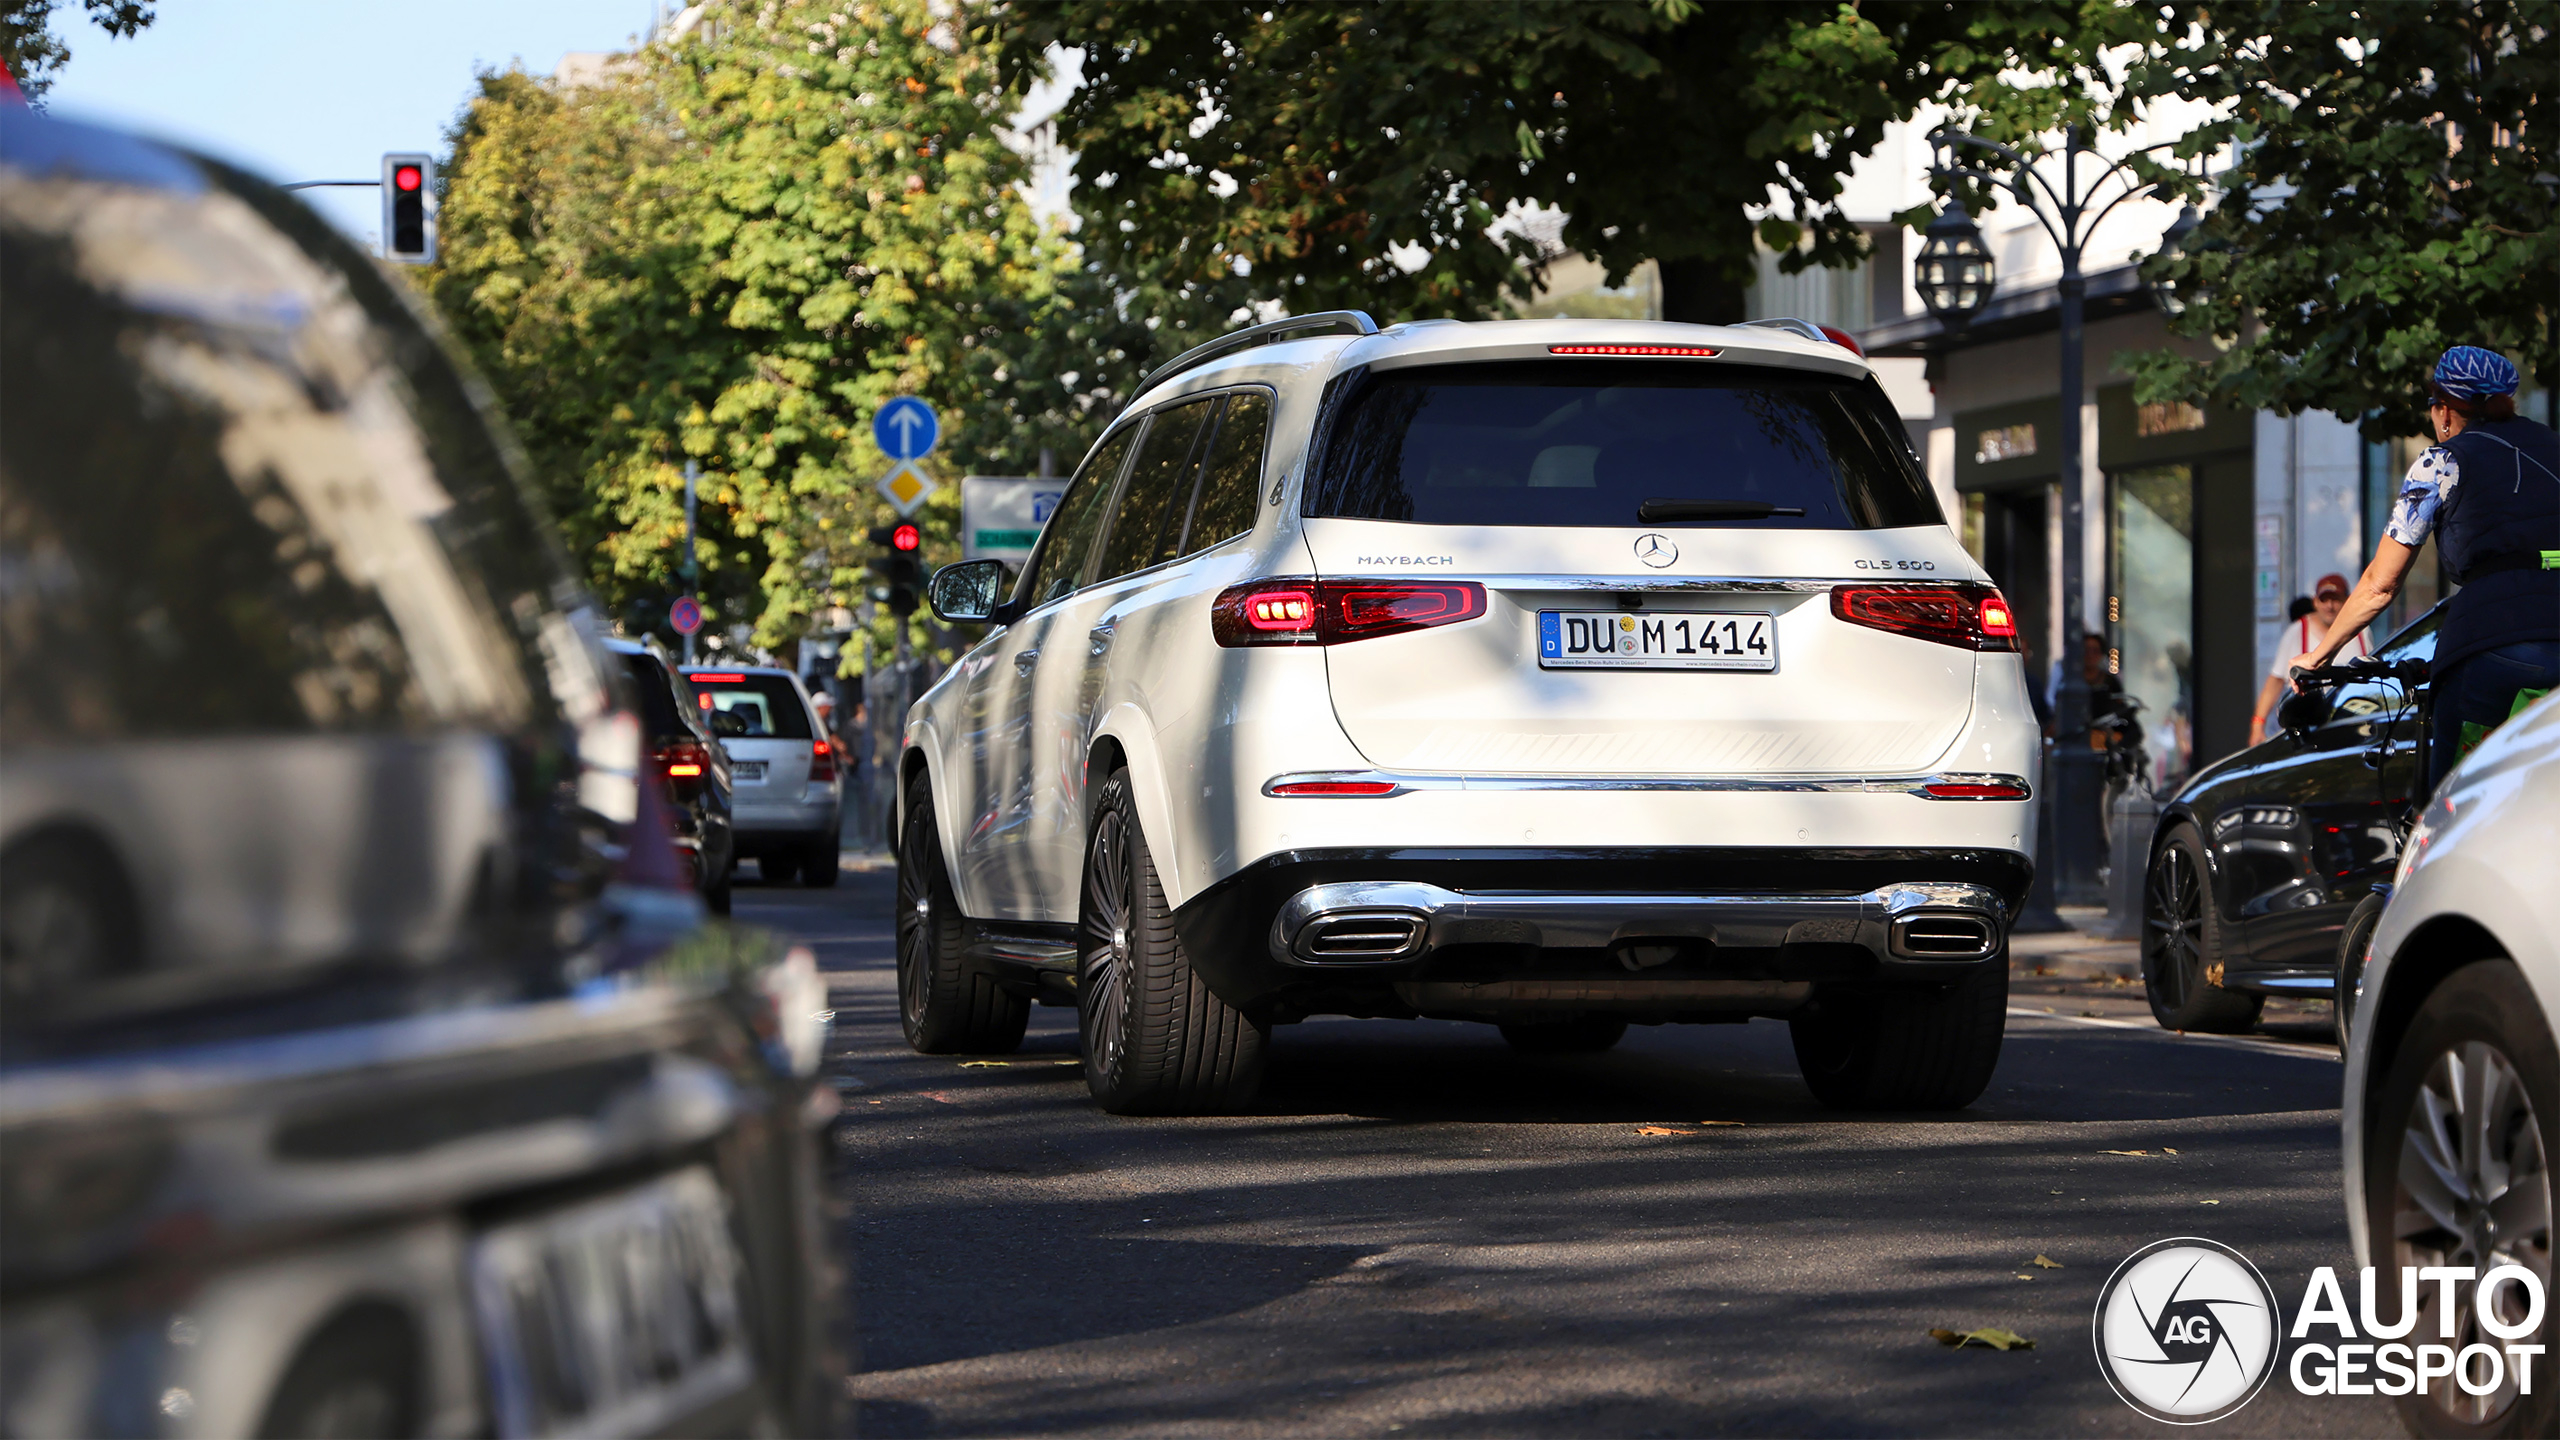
2424, 492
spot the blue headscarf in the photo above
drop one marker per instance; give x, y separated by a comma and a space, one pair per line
2468, 372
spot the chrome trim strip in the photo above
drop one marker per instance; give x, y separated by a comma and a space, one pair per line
1656, 583
1695, 784
1555, 919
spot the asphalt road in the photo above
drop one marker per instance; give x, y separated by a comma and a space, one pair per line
1421, 1232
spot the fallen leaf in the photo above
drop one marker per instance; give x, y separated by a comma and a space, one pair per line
2124, 1152
984, 1064
2046, 1262
1662, 1130
1990, 1337
2208, 1202
2165, 1150
2026, 1277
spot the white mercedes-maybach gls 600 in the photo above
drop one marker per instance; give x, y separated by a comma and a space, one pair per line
1559, 675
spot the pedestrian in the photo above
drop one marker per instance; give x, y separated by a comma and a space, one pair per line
2298, 640
2488, 492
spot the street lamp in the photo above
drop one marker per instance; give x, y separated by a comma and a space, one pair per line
1954, 272
2070, 211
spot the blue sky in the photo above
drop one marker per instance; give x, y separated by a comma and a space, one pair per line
318, 89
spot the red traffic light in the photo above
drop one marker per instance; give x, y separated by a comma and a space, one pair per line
406, 177
905, 537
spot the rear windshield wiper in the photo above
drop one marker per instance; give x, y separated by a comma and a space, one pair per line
1654, 512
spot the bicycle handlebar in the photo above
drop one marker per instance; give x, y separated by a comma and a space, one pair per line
2363, 667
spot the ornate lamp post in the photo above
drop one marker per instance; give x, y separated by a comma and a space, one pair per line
1952, 263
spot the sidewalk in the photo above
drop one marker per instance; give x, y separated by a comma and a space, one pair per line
2073, 955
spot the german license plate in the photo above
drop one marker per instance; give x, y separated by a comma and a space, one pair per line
748, 770
1661, 640
618, 1316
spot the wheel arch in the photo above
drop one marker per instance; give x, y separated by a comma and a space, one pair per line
1125, 740
2438, 947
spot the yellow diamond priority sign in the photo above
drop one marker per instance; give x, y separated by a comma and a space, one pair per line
906, 487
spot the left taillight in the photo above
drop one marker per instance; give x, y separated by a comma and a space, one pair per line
822, 761
1974, 617
1333, 612
683, 760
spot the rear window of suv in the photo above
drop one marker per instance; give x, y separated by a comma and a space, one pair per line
767, 703
1585, 443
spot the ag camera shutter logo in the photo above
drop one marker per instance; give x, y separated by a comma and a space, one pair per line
2186, 1330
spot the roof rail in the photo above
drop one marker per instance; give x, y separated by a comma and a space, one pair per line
1356, 322
1793, 326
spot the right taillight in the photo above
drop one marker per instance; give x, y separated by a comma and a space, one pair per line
822, 762
1975, 617
683, 762
1331, 612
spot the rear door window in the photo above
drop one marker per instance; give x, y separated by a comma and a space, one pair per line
1585, 443
657, 697
1066, 542
1147, 527
767, 703
1231, 476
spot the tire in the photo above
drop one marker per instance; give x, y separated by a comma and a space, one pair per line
2355, 945
819, 865
356, 1378
2182, 944
1906, 1049
779, 869
716, 898
1157, 1040
946, 1005
2488, 1129
1581, 1035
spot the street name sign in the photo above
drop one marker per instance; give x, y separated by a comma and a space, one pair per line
1001, 515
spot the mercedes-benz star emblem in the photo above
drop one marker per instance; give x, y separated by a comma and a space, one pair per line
1655, 549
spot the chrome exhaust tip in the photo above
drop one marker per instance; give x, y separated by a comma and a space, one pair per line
1945, 937
1360, 937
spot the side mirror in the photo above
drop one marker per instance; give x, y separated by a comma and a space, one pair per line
728, 725
2303, 711
970, 592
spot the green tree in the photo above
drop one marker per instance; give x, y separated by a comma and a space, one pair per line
35, 55
1327, 155
2392, 196
732, 251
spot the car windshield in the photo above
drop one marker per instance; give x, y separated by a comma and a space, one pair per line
1590, 442
767, 703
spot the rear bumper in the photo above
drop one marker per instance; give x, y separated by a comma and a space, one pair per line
1668, 933
770, 825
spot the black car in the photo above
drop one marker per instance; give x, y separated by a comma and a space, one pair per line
2261, 855
366, 1066
685, 756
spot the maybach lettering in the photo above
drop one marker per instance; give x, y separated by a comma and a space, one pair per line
1407, 560
2381, 1363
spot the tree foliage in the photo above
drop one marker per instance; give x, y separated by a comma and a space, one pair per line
2393, 196
732, 250
35, 55
1323, 155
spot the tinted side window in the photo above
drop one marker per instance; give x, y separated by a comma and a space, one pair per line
1067, 540
657, 700
1231, 480
1159, 482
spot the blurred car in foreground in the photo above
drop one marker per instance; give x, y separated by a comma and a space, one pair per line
2259, 858
788, 801
2452, 1106
687, 761
365, 1066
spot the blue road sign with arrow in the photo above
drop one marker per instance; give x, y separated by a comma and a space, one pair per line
906, 428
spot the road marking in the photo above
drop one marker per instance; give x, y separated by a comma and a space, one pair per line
2153, 1030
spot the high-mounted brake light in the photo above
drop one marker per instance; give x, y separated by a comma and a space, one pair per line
1330, 612
1973, 790
1845, 340
699, 678
1973, 617
1330, 787
1700, 351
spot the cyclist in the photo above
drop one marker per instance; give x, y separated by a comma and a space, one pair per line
2489, 492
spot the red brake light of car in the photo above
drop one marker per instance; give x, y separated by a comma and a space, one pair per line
822, 761
699, 677
1698, 351
1959, 615
1330, 787
1331, 612
682, 760
1845, 341
1968, 790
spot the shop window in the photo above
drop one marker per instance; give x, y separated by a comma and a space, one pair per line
2151, 610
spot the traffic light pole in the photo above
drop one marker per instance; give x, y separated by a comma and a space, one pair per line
692, 476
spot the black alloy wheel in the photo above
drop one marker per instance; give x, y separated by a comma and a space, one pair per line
2182, 945
946, 1005
1157, 1040
2457, 1173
